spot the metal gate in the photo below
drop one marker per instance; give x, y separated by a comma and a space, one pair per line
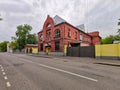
86, 51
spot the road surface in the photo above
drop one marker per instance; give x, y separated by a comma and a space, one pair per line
23, 72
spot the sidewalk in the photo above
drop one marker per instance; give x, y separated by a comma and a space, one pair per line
83, 59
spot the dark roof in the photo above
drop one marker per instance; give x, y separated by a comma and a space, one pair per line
58, 20
81, 27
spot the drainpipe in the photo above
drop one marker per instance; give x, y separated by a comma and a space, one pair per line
63, 39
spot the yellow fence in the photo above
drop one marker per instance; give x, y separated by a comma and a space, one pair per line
107, 50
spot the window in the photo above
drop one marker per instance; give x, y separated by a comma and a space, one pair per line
81, 37
57, 43
41, 38
69, 33
49, 36
57, 33
48, 26
75, 35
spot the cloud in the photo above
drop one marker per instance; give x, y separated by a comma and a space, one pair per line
101, 15
14, 6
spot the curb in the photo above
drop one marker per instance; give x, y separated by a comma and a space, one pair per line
110, 64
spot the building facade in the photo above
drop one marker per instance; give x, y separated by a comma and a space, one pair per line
57, 34
31, 48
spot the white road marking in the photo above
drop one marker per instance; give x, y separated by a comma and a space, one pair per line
8, 84
60, 70
68, 72
3, 73
5, 77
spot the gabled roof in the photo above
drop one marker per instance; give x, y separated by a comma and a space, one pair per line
58, 20
81, 27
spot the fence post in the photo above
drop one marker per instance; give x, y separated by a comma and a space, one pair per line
98, 51
65, 50
119, 51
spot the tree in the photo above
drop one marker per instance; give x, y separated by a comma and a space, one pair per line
117, 37
1, 18
32, 39
3, 46
108, 40
13, 45
118, 29
21, 35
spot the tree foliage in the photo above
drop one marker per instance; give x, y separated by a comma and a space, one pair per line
109, 39
21, 35
118, 25
3, 46
117, 37
32, 39
13, 45
1, 18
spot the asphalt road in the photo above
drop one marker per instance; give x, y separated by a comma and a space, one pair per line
23, 72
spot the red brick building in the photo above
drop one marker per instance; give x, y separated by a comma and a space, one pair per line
58, 34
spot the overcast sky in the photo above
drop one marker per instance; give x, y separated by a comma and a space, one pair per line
97, 15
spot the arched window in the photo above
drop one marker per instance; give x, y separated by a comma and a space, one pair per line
57, 33
48, 26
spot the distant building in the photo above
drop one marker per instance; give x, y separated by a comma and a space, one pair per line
31, 48
8, 48
57, 34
